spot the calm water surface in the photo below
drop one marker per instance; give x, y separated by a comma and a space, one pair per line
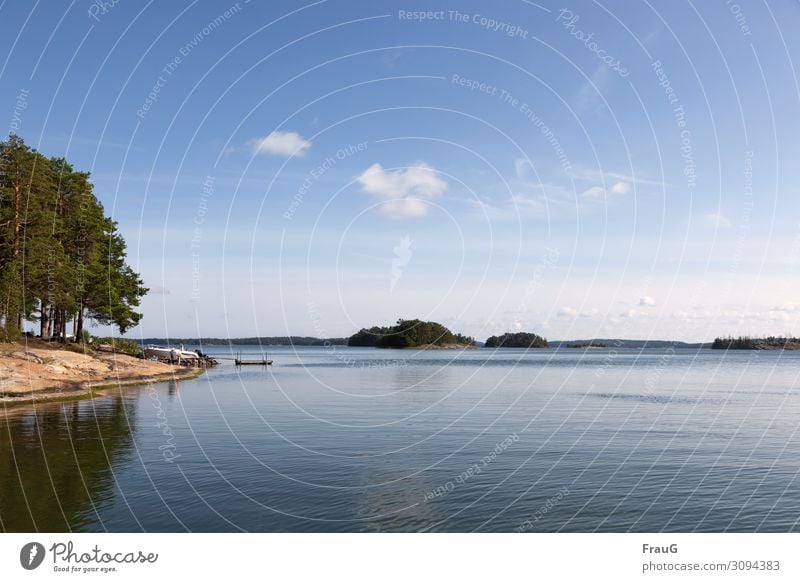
372, 440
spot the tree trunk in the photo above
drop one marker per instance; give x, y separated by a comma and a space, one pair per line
50, 316
17, 222
43, 322
79, 325
57, 323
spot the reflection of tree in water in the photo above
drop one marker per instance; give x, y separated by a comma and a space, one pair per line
55, 464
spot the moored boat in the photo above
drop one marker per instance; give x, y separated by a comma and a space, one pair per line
168, 353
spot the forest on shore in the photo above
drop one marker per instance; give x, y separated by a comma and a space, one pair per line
62, 259
756, 343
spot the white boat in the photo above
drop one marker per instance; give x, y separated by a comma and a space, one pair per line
167, 353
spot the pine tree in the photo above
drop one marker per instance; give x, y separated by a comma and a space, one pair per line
61, 258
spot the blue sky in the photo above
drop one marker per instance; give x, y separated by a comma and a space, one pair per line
578, 170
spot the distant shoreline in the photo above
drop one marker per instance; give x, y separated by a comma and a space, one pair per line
306, 341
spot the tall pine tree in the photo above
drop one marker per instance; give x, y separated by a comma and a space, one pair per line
61, 258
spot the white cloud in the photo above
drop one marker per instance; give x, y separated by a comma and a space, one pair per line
525, 172
621, 188
590, 175
405, 191
280, 143
572, 312
529, 202
647, 301
598, 192
717, 220
594, 193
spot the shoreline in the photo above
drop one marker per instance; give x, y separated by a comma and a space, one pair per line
89, 390
41, 374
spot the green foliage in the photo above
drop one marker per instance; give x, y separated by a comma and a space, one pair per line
516, 340
408, 333
118, 345
61, 258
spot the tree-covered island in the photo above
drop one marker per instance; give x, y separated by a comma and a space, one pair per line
410, 333
516, 340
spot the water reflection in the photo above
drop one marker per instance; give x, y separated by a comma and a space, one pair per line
55, 462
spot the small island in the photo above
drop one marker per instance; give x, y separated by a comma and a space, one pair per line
516, 340
588, 345
410, 333
755, 343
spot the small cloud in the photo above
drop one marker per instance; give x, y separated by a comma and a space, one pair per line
717, 220
632, 313
524, 170
528, 202
405, 191
594, 193
280, 143
591, 175
158, 290
619, 188
572, 312
647, 301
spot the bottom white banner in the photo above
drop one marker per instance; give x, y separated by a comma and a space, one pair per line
355, 557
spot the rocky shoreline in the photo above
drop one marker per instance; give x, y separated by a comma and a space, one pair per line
44, 373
